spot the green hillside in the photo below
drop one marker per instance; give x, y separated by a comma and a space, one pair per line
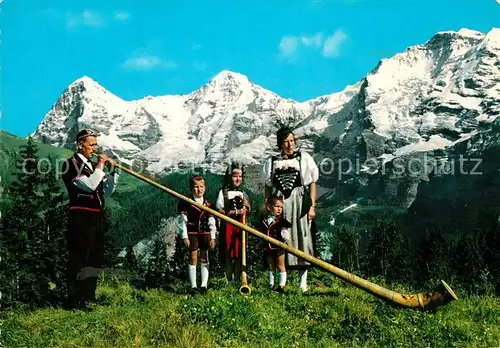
9, 149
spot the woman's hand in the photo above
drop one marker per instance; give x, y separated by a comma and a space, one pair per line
212, 243
312, 213
186, 242
238, 212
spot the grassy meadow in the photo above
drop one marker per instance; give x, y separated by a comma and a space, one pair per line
332, 314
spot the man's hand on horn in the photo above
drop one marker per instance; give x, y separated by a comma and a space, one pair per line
103, 159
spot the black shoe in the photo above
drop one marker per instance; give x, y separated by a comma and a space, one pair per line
85, 308
83, 305
193, 291
280, 289
203, 290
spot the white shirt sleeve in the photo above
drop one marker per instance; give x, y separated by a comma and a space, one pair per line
182, 225
310, 171
265, 174
212, 226
110, 182
90, 183
219, 202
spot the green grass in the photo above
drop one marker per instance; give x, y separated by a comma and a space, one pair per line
332, 315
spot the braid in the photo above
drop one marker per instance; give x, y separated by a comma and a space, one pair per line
225, 190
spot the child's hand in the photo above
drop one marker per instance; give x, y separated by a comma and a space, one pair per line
285, 234
186, 242
312, 213
212, 243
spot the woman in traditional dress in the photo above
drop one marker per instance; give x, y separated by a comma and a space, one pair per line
293, 174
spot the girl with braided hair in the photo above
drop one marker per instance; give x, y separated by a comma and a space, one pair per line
233, 202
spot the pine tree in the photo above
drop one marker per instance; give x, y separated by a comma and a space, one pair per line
111, 245
387, 250
179, 262
345, 251
433, 254
8, 259
55, 224
130, 260
23, 229
469, 262
157, 266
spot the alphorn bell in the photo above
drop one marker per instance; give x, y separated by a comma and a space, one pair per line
443, 294
244, 289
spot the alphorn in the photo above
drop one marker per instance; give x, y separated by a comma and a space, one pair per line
443, 294
244, 289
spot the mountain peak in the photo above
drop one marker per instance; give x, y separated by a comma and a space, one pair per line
224, 74
453, 43
226, 85
460, 34
86, 80
91, 87
493, 37
231, 78
470, 33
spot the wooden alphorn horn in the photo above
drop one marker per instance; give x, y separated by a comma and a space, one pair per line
443, 294
244, 289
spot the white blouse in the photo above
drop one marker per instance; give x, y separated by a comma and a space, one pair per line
219, 203
309, 170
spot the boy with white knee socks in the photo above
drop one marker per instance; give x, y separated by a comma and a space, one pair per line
197, 229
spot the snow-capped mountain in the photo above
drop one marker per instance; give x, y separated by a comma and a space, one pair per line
436, 98
229, 117
414, 109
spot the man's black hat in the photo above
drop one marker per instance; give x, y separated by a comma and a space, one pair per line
84, 134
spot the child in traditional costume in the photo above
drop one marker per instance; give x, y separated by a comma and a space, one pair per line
275, 226
198, 230
233, 202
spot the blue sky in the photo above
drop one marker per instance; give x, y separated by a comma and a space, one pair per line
298, 49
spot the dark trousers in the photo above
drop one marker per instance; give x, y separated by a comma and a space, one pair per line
85, 237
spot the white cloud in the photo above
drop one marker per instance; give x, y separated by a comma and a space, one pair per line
314, 40
87, 17
331, 47
290, 46
146, 62
122, 16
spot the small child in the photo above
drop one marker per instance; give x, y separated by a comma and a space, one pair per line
233, 202
198, 230
275, 226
